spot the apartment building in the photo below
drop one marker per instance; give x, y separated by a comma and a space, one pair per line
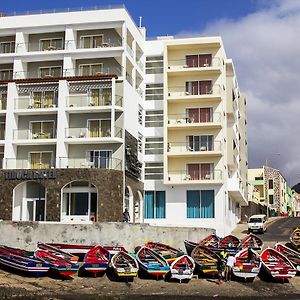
195, 135
70, 87
96, 119
272, 188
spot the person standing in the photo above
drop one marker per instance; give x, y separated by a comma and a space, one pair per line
126, 216
228, 269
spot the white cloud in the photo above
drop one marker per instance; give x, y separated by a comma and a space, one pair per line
265, 48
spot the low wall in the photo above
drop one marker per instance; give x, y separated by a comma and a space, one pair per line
27, 234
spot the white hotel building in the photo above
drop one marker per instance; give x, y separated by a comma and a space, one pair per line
95, 118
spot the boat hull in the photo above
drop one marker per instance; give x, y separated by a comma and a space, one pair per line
189, 246
182, 268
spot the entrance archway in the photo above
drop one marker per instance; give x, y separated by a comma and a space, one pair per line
128, 202
79, 202
29, 202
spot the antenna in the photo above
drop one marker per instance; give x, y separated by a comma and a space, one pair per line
140, 24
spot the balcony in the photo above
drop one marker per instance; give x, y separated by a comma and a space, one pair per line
6, 74
181, 149
93, 70
29, 137
51, 44
97, 41
51, 72
47, 102
182, 121
27, 164
7, 47
189, 177
92, 162
91, 135
182, 67
206, 92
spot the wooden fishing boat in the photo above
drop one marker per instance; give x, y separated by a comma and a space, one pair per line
151, 262
19, 260
205, 259
166, 251
189, 246
96, 260
295, 238
211, 241
277, 265
230, 243
182, 268
292, 255
247, 265
124, 265
252, 241
59, 262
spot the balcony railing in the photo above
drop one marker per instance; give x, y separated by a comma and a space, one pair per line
92, 162
26, 134
106, 70
29, 103
38, 74
7, 47
204, 118
54, 45
188, 147
88, 101
184, 175
26, 164
180, 91
182, 64
6, 74
129, 50
84, 132
105, 43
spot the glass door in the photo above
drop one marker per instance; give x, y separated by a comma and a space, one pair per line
101, 158
40, 160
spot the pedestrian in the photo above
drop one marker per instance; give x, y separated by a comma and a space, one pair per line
220, 270
228, 269
126, 216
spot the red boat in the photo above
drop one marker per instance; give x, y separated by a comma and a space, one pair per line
168, 252
210, 241
252, 241
52, 249
292, 255
277, 265
96, 260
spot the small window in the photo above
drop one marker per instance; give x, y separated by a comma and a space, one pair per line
271, 184
154, 145
154, 118
271, 199
154, 170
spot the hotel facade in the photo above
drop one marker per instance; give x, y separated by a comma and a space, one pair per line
95, 118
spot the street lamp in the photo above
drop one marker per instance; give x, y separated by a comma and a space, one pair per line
267, 187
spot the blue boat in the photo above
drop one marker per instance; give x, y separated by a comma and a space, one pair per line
152, 263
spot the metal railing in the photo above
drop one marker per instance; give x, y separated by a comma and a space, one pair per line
7, 47
12, 163
92, 162
105, 43
84, 101
6, 74
185, 175
92, 71
180, 91
194, 118
39, 46
30, 103
93, 132
183, 64
38, 74
174, 147
26, 134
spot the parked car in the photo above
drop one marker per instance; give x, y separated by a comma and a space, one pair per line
257, 223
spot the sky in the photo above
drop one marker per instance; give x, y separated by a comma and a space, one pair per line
261, 36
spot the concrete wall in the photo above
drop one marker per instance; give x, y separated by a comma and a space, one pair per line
27, 234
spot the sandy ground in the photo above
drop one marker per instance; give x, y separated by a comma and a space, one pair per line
13, 286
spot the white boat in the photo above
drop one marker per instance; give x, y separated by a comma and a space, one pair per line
182, 268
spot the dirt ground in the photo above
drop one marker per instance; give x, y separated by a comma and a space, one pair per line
13, 286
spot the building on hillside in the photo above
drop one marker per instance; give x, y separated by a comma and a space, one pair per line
95, 119
272, 187
296, 200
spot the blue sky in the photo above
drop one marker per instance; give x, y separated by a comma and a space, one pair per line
160, 17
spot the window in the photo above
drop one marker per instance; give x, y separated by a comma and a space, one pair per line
200, 142
154, 145
40, 160
99, 128
198, 87
51, 44
100, 96
42, 130
6, 74
90, 70
50, 72
100, 158
155, 205
154, 170
94, 41
140, 142
154, 118
140, 115
155, 91
200, 204
3, 100
271, 184
43, 99
198, 60
7, 47
154, 65
271, 199
2, 130
199, 115
198, 171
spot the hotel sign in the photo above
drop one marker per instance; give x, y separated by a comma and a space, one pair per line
29, 174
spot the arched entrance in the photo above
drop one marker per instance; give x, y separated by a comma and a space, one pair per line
128, 202
79, 202
138, 208
29, 202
